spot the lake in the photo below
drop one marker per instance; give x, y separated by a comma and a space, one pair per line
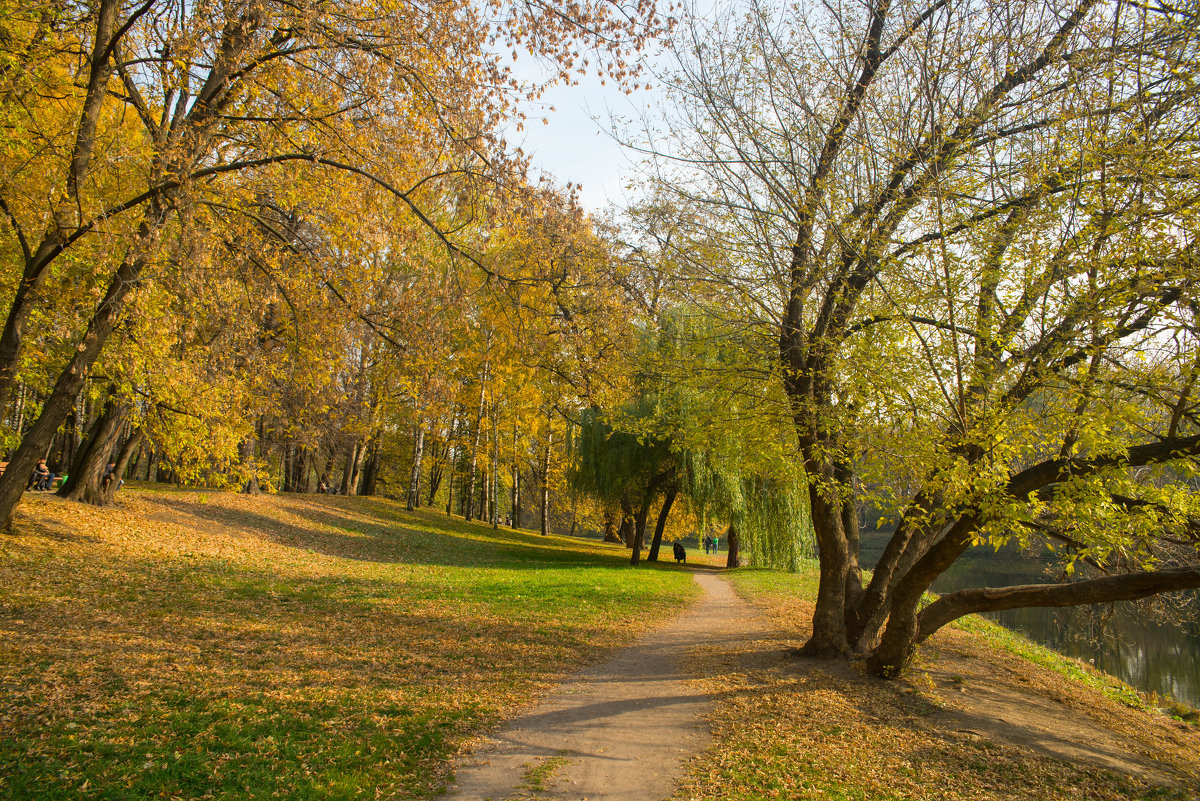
1116, 638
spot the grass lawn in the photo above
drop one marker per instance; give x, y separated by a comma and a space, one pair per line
801, 729
192, 644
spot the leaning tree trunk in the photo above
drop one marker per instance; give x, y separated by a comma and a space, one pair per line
71, 380
672, 491
131, 446
899, 636
83, 482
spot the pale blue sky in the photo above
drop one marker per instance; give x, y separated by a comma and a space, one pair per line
576, 144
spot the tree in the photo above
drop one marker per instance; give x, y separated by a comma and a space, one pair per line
176, 108
972, 228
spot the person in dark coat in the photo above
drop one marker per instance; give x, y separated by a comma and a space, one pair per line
680, 553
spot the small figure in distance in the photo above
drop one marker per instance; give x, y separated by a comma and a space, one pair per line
707, 542
680, 553
110, 475
41, 478
323, 486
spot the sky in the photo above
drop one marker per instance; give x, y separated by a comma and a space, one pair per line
576, 144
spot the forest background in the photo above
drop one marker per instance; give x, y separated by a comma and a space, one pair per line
928, 262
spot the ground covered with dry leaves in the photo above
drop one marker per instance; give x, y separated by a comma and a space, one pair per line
189, 644
975, 718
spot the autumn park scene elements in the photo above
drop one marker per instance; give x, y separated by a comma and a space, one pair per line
350, 452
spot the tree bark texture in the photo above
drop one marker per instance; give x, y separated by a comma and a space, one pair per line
414, 481
733, 541
83, 482
132, 444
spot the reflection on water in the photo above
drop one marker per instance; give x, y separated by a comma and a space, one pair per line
1116, 638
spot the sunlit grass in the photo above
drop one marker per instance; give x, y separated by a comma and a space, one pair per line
285, 647
800, 729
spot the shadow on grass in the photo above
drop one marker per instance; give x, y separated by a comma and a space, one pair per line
935, 745
377, 530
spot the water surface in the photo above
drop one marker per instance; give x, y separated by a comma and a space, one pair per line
1117, 638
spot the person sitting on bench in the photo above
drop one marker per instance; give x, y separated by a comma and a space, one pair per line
41, 478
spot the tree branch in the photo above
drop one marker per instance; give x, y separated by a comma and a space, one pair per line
1127, 587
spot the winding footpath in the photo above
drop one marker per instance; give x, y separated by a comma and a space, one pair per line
620, 731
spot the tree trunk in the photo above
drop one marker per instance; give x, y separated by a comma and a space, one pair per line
151, 465
546, 481
610, 525
350, 470
494, 486
437, 468
248, 455
515, 500
829, 637
370, 473
733, 548
414, 482
71, 380
475, 444
672, 492
643, 511
481, 513
626, 530
132, 444
83, 482
450, 457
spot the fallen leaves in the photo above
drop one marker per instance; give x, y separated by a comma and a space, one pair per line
298, 646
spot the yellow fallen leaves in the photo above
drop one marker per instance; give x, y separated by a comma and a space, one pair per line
301, 646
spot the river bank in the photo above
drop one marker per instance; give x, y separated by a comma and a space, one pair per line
1120, 638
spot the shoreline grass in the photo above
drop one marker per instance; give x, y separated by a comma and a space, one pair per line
954, 726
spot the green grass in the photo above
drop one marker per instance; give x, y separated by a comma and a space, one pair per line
292, 647
1021, 646
802, 730
536, 776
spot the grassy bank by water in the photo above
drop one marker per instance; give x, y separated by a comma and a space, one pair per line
192, 644
982, 715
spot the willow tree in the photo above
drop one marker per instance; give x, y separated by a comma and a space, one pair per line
623, 468
971, 229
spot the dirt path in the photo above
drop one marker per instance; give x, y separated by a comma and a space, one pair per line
620, 731
624, 730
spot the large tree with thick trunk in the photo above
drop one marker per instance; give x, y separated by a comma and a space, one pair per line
974, 226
